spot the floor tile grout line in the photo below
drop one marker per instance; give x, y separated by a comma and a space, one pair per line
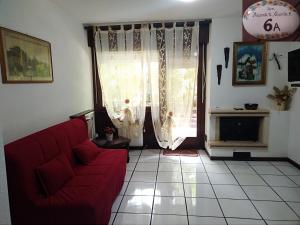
151, 216
126, 187
214, 193
288, 175
247, 194
277, 193
186, 208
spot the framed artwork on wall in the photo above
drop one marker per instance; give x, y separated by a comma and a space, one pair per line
249, 63
24, 59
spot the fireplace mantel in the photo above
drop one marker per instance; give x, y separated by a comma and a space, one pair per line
218, 113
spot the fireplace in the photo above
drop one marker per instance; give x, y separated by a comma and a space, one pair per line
239, 128
236, 129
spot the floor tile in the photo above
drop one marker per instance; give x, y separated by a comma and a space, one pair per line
169, 220
289, 170
241, 169
187, 159
169, 205
221, 178
140, 188
194, 220
207, 160
134, 152
259, 163
229, 191
122, 192
281, 163
267, 170
134, 158
281, 181
128, 175
275, 210
238, 208
150, 152
169, 167
235, 162
203, 207
112, 217
233, 221
283, 222
169, 189
149, 158
199, 190
169, 159
130, 166
132, 219
147, 167
249, 179
288, 194
216, 168
295, 206
261, 193
169, 177
116, 204
136, 204
192, 168
296, 179
144, 177
195, 178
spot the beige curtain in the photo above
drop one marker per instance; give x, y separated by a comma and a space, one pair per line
122, 58
173, 75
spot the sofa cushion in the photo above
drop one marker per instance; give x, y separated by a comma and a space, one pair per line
54, 174
87, 151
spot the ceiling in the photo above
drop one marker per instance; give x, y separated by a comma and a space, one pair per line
110, 11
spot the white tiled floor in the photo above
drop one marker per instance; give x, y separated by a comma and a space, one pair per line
164, 190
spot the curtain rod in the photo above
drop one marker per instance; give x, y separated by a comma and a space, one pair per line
85, 25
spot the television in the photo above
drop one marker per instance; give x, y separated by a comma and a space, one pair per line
294, 65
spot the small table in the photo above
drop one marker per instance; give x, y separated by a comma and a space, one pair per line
117, 143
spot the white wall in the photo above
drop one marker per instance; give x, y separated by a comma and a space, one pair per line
4, 202
294, 141
25, 108
225, 31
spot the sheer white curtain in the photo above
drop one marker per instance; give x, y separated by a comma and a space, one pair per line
122, 58
173, 75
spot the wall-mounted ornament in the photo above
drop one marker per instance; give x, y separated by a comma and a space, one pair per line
226, 54
275, 57
271, 20
219, 73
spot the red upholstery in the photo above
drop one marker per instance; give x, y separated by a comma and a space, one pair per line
54, 174
87, 198
87, 151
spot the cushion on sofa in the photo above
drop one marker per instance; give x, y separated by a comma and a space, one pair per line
54, 174
87, 151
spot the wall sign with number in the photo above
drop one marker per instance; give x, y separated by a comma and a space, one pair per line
271, 19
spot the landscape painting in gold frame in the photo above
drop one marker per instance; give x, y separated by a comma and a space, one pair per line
24, 59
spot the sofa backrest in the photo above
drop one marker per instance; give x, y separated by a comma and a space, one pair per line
25, 155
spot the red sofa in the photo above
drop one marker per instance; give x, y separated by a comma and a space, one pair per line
86, 198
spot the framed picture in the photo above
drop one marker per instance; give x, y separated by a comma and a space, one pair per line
249, 63
24, 59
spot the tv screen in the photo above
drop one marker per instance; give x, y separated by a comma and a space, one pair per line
294, 65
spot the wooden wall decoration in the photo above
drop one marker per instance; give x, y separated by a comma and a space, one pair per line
294, 37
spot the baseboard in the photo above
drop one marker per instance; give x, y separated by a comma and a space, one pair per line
252, 158
285, 159
294, 163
